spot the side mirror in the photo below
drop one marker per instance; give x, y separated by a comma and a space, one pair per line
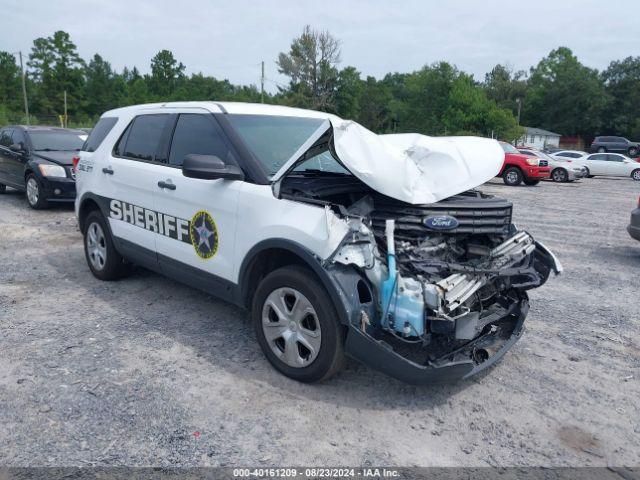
209, 167
17, 147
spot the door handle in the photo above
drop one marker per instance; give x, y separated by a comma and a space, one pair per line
168, 185
108, 171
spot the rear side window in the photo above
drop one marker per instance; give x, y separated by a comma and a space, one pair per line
5, 137
98, 134
142, 138
197, 134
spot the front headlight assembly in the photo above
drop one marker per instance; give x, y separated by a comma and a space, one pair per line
52, 170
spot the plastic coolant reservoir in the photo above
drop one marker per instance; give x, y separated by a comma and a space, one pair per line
402, 298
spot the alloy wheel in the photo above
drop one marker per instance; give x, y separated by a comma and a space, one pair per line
636, 175
291, 327
96, 246
33, 192
559, 176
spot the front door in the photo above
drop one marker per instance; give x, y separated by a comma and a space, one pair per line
206, 210
597, 163
616, 165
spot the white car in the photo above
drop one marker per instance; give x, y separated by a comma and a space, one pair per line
562, 169
611, 165
337, 240
570, 154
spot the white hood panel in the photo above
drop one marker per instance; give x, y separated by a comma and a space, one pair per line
415, 168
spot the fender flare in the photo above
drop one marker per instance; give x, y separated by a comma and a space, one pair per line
340, 281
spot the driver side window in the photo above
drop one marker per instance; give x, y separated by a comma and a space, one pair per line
198, 134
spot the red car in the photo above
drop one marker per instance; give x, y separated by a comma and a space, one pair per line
518, 168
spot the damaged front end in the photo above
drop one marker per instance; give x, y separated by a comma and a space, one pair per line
446, 284
433, 277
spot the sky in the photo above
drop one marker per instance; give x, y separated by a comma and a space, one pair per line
229, 39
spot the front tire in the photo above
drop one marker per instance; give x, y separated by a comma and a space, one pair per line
559, 175
104, 261
297, 326
512, 176
35, 197
588, 173
636, 174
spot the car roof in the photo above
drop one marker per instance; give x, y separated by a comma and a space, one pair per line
45, 128
223, 107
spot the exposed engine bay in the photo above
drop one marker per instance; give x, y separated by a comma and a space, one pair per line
448, 280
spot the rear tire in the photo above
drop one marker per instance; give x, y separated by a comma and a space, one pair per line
512, 176
636, 174
3, 188
601, 150
297, 326
633, 151
104, 261
35, 197
559, 175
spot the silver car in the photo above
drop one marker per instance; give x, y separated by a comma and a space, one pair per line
562, 169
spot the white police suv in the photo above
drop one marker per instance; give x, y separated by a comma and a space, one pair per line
337, 240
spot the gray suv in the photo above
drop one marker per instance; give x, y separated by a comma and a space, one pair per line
615, 144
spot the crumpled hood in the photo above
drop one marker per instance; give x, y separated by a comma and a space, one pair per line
415, 168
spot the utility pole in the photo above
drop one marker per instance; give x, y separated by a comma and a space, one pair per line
65, 109
262, 84
519, 102
24, 90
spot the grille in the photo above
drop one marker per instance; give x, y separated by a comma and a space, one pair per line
475, 213
543, 163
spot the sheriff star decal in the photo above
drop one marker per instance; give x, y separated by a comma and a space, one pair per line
201, 231
204, 234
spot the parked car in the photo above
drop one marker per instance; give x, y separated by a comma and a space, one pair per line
562, 170
634, 225
387, 258
518, 168
615, 144
38, 160
572, 154
610, 164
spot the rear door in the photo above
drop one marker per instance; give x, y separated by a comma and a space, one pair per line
206, 210
129, 182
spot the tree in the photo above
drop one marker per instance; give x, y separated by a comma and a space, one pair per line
349, 88
505, 87
374, 106
55, 65
311, 66
564, 96
166, 74
103, 89
622, 83
10, 88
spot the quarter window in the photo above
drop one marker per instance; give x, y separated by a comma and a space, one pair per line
197, 134
142, 138
98, 134
5, 137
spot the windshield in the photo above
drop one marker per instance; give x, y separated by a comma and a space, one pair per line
274, 139
508, 148
54, 141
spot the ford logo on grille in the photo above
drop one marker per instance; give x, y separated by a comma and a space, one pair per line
441, 222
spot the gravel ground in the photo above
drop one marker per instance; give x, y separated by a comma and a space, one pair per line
146, 371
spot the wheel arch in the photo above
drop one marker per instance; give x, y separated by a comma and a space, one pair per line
89, 203
271, 254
